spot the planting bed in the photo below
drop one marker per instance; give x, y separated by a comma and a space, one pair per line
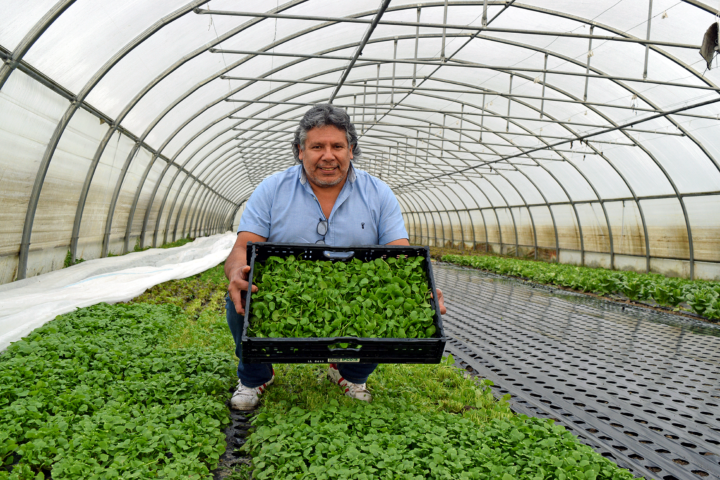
100, 393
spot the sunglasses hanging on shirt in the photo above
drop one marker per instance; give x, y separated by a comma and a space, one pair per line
322, 229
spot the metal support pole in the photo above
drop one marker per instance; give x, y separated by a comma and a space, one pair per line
417, 39
392, 95
647, 47
587, 68
442, 50
364, 103
462, 110
377, 90
358, 52
482, 119
542, 101
507, 125
442, 140
484, 21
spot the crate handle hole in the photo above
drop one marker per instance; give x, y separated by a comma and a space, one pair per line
344, 347
338, 255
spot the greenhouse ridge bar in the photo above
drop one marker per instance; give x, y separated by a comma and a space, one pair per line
453, 100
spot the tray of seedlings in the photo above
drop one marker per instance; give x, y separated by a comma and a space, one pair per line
323, 304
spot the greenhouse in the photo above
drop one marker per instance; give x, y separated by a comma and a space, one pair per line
571, 227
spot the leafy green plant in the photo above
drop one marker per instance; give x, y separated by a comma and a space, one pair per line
97, 393
700, 296
362, 441
425, 422
302, 298
178, 243
68, 260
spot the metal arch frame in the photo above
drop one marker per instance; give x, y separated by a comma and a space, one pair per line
425, 214
507, 205
171, 106
668, 177
417, 224
190, 157
172, 207
590, 184
240, 62
165, 196
65, 120
214, 167
123, 114
472, 224
449, 199
31, 37
690, 237
606, 221
493, 186
531, 212
511, 184
577, 216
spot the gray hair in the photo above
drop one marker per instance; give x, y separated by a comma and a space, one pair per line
319, 116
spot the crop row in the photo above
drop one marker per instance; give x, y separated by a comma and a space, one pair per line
403, 441
97, 393
702, 297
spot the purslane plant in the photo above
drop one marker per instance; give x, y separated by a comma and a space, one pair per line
378, 299
703, 297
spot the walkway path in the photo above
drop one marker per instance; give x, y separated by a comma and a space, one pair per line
641, 387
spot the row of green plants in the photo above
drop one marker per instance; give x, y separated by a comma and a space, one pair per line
425, 422
138, 391
378, 299
699, 296
101, 393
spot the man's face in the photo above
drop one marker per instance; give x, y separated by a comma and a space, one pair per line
326, 157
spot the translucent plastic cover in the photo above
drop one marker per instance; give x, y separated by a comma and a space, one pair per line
527, 128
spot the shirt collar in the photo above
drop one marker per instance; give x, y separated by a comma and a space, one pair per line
351, 174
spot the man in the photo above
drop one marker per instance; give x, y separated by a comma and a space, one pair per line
323, 200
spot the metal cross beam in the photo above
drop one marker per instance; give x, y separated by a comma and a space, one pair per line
578, 138
426, 110
458, 63
438, 127
516, 31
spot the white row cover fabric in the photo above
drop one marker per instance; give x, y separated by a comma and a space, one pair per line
30, 303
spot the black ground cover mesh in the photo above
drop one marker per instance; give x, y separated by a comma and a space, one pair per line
639, 386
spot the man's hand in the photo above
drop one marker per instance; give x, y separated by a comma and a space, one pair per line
441, 302
238, 286
237, 270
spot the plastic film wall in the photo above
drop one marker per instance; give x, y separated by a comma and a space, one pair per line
580, 132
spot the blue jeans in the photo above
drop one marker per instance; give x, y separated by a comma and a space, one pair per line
255, 374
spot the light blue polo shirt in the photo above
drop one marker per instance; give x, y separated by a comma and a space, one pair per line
284, 209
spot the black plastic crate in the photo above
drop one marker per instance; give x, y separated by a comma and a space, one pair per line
326, 350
